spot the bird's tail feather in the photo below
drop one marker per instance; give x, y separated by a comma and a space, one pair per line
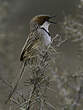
18, 80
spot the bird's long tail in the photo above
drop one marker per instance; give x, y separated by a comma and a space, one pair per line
18, 80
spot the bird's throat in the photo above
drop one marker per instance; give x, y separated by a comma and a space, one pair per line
46, 26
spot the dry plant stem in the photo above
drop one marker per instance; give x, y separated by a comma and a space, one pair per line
51, 106
37, 74
78, 97
26, 102
42, 104
6, 83
14, 89
15, 101
52, 90
31, 95
61, 43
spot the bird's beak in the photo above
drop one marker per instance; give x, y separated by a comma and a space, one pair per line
50, 21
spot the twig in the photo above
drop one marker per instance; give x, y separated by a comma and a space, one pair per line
63, 41
31, 95
14, 89
9, 85
47, 103
13, 100
42, 104
51, 89
78, 97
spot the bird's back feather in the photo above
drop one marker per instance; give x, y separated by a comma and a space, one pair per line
30, 46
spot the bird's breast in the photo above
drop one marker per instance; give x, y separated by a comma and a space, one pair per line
45, 36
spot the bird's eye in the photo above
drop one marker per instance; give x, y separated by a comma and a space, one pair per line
47, 19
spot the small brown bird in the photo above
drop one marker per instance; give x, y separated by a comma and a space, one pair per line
39, 37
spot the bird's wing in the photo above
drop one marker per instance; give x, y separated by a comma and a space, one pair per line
30, 45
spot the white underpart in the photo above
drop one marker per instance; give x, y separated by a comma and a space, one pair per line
47, 38
46, 26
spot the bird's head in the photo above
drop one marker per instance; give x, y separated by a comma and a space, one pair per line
41, 21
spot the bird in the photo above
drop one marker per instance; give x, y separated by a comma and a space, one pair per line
39, 37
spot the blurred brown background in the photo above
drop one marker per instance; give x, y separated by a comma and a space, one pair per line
14, 18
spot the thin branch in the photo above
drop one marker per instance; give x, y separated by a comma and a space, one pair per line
9, 85
26, 102
42, 104
14, 89
78, 97
29, 100
47, 103
13, 100
51, 89
6, 82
